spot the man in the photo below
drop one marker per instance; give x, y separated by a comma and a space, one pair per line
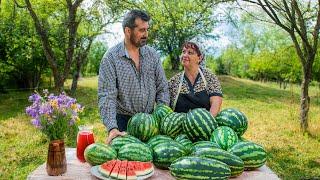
131, 78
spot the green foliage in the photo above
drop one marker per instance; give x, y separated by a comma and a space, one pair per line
22, 59
262, 54
94, 57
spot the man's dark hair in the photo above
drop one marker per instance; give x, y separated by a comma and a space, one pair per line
131, 16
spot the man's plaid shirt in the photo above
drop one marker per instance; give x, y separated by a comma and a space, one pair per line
124, 90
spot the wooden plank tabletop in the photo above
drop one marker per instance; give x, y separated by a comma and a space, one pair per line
79, 171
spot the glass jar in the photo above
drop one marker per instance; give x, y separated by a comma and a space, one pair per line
84, 138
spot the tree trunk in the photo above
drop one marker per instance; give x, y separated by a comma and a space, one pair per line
305, 99
75, 78
58, 83
174, 62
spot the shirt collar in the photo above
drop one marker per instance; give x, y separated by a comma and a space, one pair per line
124, 53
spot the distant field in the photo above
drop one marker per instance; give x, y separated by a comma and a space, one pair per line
273, 115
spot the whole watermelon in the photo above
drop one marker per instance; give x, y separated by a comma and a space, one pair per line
199, 125
167, 152
120, 141
253, 155
234, 119
160, 111
192, 167
171, 124
98, 153
224, 136
158, 139
135, 152
143, 126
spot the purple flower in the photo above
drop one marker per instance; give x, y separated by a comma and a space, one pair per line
32, 111
72, 121
35, 98
51, 96
36, 122
45, 109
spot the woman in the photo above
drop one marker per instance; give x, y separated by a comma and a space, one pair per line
196, 86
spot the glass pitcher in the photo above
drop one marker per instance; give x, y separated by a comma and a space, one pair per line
84, 139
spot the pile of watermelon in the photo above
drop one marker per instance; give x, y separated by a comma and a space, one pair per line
192, 145
117, 169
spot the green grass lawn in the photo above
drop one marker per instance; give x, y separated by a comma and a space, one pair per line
273, 115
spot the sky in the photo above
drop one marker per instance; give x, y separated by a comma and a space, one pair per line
213, 47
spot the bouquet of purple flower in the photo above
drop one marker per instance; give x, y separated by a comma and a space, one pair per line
53, 115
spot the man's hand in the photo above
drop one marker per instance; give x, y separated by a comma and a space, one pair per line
113, 134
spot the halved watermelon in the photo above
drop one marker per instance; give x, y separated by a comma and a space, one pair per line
122, 174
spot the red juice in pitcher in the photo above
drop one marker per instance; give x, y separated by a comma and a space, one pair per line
84, 139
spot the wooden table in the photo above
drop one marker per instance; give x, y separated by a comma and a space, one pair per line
79, 171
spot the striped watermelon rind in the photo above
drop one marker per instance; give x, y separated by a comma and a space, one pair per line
234, 119
135, 152
160, 111
192, 167
180, 137
224, 136
120, 141
199, 124
158, 139
253, 155
143, 126
235, 163
171, 124
167, 152
204, 144
98, 153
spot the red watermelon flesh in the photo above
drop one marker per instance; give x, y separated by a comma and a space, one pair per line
148, 167
116, 169
106, 168
122, 174
131, 174
143, 168
124, 164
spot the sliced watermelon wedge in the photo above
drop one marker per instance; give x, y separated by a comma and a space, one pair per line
115, 169
131, 174
122, 174
143, 168
106, 168
148, 167
124, 164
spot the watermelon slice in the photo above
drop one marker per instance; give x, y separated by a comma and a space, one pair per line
122, 174
106, 168
143, 168
124, 164
115, 169
138, 169
131, 175
148, 167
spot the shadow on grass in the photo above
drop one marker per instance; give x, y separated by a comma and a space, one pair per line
13, 103
284, 161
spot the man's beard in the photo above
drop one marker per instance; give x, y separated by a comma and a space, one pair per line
138, 43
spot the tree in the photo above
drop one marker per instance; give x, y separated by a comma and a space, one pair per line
58, 25
301, 20
173, 22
